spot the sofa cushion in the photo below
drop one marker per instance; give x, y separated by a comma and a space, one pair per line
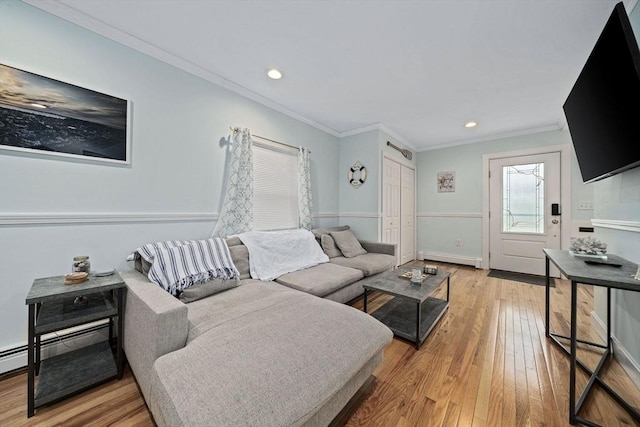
212, 287
251, 296
320, 280
348, 243
329, 246
368, 263
272, 367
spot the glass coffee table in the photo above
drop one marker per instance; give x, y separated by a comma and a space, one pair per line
413, 312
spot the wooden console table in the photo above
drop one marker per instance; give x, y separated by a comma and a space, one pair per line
609, 277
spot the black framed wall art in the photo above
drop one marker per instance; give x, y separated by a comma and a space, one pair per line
42, 115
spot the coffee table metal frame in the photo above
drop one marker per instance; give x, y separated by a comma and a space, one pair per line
393, 312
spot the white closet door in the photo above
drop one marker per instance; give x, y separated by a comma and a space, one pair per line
407, 213
391, 219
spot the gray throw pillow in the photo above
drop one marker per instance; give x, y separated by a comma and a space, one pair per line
142, 265
240, 258
196, 292
329, 246
348, 243
318, 232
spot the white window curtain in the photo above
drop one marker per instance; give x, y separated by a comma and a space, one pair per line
236, 215
305, 217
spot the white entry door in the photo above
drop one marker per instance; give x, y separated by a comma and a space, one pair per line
522, 191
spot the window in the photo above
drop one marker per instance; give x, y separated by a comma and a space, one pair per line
275, 187
523, 198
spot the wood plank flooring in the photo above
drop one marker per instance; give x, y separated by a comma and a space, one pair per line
486, 363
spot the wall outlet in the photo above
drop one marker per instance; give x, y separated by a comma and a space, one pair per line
458, 242
585, 206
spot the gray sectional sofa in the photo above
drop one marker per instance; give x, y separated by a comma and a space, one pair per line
280, 353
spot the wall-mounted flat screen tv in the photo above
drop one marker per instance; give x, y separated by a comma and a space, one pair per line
603, 108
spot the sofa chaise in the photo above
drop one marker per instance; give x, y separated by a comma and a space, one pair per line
277, 353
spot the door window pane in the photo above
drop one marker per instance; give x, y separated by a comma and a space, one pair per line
523, 198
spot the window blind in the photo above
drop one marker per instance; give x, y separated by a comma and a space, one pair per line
275, 188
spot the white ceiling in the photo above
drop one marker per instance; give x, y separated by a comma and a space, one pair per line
417, 69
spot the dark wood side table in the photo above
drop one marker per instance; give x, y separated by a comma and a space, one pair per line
54, 306
609, 277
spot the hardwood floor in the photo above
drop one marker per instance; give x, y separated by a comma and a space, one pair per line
487, 363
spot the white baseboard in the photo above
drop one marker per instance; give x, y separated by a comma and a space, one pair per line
621, 354
18, 359
454, 259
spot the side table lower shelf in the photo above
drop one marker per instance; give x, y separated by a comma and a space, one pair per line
74, 371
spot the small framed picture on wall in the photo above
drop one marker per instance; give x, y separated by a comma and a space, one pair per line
446, 182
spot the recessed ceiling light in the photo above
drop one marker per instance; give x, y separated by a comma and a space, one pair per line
38, 105
470, 124
274, 74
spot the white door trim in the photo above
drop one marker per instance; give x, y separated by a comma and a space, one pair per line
565, 191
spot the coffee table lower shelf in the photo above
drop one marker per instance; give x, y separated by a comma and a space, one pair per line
400, 315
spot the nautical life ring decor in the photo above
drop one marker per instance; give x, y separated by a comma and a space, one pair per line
357, 175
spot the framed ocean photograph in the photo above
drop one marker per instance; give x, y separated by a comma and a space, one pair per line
42, 115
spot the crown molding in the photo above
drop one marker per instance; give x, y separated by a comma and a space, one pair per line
380, 127
521, 132
77, 17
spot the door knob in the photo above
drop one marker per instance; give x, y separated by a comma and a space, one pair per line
555, 221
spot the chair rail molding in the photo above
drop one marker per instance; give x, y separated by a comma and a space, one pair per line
449, 214
360, 215
616, 224
102, 218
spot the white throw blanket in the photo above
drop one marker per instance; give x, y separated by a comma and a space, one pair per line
274, 253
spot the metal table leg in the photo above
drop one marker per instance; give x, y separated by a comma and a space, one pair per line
418, 321
572, 361
365, 300
31, 362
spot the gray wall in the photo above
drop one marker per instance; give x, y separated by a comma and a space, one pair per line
179, 129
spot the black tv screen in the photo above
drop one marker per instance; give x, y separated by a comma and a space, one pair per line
603, 108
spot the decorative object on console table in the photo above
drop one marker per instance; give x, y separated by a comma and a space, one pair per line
446, 182
75, 278
81, 263
51, 117
416, 277
588, 248
430, 269
54, 306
